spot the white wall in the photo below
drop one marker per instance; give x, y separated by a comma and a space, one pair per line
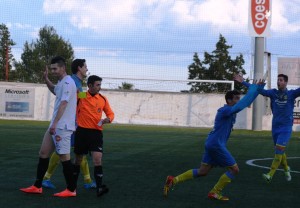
174, 109
150, 108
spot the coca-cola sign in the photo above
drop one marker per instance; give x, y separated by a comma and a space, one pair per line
259, 17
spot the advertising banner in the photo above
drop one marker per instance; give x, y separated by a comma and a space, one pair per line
296, 113
17, 102
259, 18
291, 68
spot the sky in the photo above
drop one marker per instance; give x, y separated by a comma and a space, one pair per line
153, 39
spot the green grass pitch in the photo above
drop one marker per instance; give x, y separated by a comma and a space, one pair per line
137, 160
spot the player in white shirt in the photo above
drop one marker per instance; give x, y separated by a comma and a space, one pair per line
58, 135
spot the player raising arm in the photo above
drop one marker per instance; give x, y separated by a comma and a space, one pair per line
58, 135
79, 72
282, 105
216, 153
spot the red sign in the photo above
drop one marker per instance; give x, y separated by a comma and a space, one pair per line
260, 12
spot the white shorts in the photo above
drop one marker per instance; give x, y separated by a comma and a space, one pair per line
64, 145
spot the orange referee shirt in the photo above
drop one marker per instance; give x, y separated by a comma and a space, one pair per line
90, 109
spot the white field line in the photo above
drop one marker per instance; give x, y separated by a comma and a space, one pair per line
251, 163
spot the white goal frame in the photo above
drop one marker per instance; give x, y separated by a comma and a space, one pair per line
171, 80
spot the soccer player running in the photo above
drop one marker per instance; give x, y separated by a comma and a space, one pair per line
79, 72
88, 135
282, 106
58, 135
216, 153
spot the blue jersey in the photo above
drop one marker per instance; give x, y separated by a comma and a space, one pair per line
282, 105
78, 82
224, 122
226, 116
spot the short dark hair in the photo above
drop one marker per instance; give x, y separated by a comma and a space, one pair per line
285, 77
92, 79
230, 94
58, 60
75, 64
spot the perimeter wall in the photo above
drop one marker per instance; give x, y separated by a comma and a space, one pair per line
35, 102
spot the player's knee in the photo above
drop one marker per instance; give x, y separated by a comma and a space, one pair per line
235, 170
44, 154
204, 170
202, 173
97, 160
279, 149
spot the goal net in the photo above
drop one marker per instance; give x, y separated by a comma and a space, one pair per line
164, 85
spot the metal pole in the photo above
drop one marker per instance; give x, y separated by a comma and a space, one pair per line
189, 109
6, 63
269, 69
258, 74
269, 84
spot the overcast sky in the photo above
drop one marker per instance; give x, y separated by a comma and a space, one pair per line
149, 33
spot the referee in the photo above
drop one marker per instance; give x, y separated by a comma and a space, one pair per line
88, 135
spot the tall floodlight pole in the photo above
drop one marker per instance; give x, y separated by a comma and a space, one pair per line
258, 74
259, 23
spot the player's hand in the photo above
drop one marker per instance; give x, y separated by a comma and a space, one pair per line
106, 120
103, 121
57, 138
259, 82
52, 129
238, 78
46, 73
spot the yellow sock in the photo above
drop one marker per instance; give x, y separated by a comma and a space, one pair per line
84, 166
183, 177
223, 181
275, 164
284, 162
53, 163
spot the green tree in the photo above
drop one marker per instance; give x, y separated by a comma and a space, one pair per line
37, 54
218, 65
126, 86
5, 51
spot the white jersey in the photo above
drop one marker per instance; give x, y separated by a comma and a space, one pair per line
66, 90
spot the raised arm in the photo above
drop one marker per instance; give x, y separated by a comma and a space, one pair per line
240, 79
252, 93
50, 85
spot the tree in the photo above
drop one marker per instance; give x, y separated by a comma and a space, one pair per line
216, 66
37, 54
126, 86
5, 51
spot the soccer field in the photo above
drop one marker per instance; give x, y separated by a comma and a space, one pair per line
137, 160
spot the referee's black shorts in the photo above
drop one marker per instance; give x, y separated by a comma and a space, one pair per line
88, 140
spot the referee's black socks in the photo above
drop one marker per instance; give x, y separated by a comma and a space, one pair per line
98, 174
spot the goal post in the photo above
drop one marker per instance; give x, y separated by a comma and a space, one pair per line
161, 85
